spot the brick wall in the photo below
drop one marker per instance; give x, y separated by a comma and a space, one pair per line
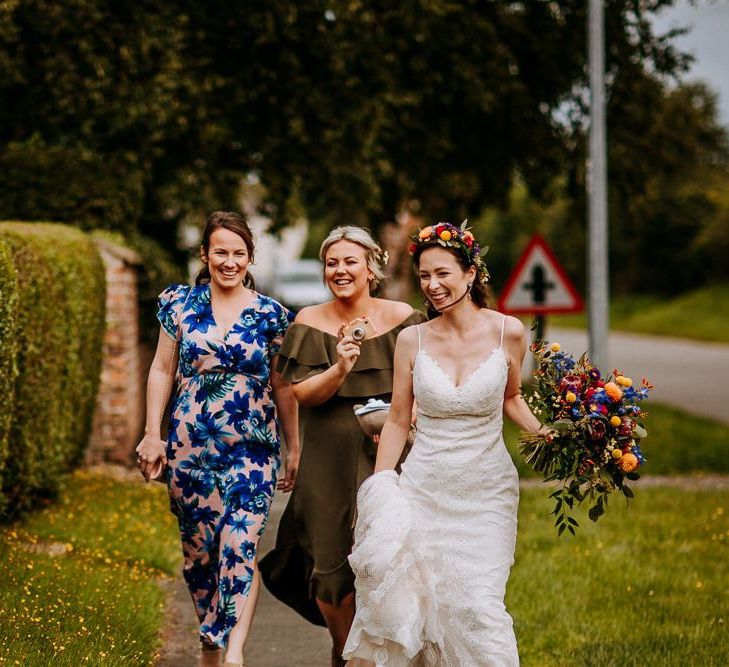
119, 407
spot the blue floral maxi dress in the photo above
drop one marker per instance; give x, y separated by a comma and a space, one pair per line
222, 447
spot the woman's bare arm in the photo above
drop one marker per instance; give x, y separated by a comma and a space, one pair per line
396, 429
515, 407
288, 413
159, 385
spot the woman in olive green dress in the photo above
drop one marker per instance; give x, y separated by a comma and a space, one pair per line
331, 372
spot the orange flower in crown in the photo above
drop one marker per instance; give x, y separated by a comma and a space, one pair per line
460, 239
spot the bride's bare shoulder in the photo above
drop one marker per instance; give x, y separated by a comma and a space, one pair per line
408, 336
513, 328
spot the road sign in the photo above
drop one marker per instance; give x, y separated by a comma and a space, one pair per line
539, 284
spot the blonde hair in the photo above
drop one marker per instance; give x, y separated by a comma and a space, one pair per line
376, 258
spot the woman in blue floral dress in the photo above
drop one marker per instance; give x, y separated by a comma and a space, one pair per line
222, 448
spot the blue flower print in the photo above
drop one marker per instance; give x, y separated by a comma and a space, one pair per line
203, 514
256, 388
194, 483
231, 557
169, 303
255, 365
252, 492
173, 439
239, 523
208, 430
250, 330
223, 446
238, 410
231, 357
215, 628
191, 515
258, 452
199, 316
189, 354
249, 550
242, 583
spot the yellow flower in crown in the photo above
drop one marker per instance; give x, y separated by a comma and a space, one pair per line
458, 238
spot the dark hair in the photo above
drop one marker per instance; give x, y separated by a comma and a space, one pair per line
481, 293
233, 222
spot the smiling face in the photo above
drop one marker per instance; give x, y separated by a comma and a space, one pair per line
345, 270
227, 258
442, 278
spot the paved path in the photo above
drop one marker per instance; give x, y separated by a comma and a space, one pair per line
687, 374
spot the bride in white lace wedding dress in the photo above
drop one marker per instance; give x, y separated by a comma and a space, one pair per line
434, 545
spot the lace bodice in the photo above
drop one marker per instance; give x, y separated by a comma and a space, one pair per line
481, 394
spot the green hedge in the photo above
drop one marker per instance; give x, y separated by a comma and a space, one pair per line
55, 326
8, 349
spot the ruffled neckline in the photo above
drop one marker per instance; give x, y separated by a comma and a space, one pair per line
307, 351
416, 316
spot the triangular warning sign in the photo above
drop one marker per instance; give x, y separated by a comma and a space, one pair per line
539, 284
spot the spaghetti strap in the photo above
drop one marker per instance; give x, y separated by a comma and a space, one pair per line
501, 341
417, 326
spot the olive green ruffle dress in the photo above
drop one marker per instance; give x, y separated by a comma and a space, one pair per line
315, 534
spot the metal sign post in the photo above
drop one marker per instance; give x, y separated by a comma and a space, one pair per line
597, 236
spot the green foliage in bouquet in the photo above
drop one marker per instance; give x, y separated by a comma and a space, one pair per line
596, 426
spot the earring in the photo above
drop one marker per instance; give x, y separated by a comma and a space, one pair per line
468, 292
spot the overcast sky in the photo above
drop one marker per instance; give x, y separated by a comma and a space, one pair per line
707, 41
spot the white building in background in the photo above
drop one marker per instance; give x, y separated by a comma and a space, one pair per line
275, 251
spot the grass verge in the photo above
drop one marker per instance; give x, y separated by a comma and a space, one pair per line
79, 580
677, 444
699, 315
644, 586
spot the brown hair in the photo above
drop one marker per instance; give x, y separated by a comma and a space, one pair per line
234, 222
481, 293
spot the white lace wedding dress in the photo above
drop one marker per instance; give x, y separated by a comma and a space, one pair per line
434, 545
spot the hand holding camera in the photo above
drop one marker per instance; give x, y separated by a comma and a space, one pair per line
350, 338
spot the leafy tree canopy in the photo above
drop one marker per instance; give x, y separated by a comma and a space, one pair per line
132, 116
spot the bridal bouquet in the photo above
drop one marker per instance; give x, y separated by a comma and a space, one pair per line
596, 427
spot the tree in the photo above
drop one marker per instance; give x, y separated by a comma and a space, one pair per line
134, 116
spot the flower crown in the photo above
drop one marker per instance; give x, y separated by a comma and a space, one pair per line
459, 238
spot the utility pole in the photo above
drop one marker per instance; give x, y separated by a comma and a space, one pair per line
597, 229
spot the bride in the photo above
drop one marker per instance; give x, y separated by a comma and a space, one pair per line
434, 545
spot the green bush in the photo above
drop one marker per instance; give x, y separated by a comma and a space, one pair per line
58, 337
8, 349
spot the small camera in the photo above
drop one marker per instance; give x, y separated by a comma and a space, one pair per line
359, 329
